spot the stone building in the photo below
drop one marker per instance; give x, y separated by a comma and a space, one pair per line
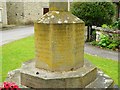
3, 14
20, 12
25, 12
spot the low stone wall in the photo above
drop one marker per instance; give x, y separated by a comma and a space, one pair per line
100, 30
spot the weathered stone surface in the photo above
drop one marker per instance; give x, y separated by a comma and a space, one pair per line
3, 13
59, 48
59, 41
57, 17
78, 78
59, 5
59, 63
102, 80
14, 76
25, 12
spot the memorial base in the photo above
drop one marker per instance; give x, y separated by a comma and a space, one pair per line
85, 77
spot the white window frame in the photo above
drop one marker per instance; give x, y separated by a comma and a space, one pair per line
0, 15
42, 10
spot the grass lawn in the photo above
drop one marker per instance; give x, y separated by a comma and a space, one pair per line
108, 66
13, 54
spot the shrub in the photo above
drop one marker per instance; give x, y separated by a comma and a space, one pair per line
107, 26
94, 13
94, 43
108, 41
104, 40
116, 24
113, 45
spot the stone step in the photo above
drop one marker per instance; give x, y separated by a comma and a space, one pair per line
39, 78
102, 81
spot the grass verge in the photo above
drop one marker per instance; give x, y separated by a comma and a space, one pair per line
108, 66
13, 54
17, 52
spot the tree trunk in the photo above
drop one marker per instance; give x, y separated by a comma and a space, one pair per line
90, 35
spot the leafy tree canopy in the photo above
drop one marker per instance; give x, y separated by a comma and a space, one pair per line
94, 13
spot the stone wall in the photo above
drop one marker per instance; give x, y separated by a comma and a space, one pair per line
33, 11
3, 14
0, 17
24, 12
109, 32
15, 12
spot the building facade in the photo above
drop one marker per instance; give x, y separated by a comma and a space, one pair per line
25, 12
3, 14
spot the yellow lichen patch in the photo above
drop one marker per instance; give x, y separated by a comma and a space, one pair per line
59, 47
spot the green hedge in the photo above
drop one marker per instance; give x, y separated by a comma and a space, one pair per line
94, 13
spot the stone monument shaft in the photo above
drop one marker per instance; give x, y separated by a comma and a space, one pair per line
59, 5
59, 63
59, 38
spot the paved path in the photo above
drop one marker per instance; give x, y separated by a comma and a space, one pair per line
101, 52
15, 34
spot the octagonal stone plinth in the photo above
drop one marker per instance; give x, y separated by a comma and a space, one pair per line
101, 81
59, 41
38, 78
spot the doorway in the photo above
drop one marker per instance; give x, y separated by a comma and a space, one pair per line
45, 10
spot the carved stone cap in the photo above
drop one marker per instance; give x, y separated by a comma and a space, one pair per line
56, 17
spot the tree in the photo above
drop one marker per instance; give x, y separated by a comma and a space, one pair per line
94, 13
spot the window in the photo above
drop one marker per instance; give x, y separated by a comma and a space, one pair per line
45, 10
0, 15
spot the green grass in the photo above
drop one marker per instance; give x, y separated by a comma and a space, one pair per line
13, 54
108, 66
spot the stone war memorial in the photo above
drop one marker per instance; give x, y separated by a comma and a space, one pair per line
59, 61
